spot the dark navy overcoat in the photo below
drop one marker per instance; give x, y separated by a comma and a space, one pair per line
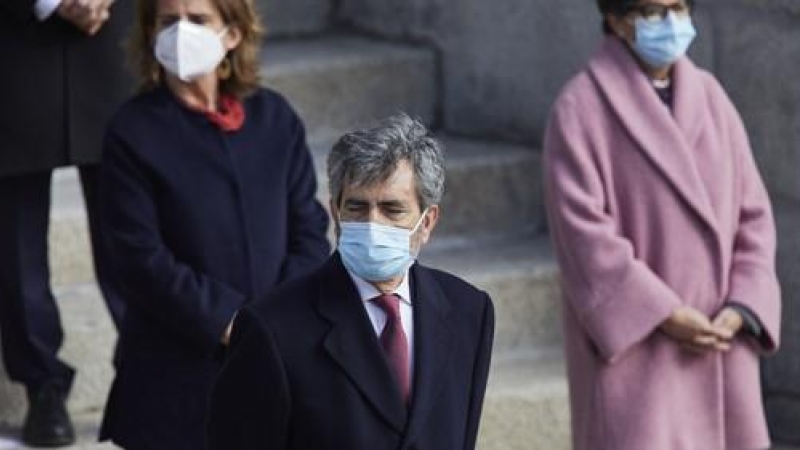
201, 222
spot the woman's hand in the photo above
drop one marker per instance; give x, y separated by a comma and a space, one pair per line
695, 332
729, 319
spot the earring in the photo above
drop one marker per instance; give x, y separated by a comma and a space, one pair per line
224, 69
155, 75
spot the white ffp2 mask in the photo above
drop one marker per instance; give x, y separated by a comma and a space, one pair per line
188, 50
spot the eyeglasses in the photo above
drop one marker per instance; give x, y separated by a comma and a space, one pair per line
654, 12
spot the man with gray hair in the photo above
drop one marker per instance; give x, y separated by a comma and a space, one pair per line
372, 351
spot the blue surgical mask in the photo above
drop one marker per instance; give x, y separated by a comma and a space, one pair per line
662, 42
376, 252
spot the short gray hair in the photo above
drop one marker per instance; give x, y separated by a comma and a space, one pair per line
368, 156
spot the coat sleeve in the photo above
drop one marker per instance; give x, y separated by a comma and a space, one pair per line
18, 9
480, 375
250, 403
616, 298
308, 221
183, 299
753, 278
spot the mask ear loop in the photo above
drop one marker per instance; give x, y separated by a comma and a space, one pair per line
419, 222
414, 230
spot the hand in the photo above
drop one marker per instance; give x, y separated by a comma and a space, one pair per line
87, 15
729, 319
695, 332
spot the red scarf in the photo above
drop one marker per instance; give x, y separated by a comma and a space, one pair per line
229, 116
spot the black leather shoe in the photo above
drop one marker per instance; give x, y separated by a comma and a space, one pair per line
48, 423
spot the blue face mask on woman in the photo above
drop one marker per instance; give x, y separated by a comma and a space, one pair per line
662, 42
376, 252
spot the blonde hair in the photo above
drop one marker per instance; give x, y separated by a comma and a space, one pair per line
244, 60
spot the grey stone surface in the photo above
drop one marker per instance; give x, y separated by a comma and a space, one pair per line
783, 6
520, 275
526, 405
758, 45
89, 341
503, 63
703, 49
782, 372
757, 60
70, 251
337, 83
396, 19
294, 17
783, 413
491, 188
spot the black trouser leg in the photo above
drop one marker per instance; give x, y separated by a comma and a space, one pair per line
30, 326
103, 262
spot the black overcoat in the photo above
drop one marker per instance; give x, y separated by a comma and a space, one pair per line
306, 370
58, 87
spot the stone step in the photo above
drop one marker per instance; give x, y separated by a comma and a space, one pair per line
339, 82
520, 275
284, 18
491, 189
527, 404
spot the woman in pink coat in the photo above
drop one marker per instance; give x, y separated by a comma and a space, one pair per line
666, 241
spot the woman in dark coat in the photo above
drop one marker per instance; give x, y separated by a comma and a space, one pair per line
209, 202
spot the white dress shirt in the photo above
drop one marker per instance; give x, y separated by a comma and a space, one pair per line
378, 317
45, 8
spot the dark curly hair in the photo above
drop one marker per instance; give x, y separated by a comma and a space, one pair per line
619, 8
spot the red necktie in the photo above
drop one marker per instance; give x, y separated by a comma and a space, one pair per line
394, 343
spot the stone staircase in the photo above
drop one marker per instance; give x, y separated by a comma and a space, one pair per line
490, 232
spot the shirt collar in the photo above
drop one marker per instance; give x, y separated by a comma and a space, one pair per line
662, 84
367, 291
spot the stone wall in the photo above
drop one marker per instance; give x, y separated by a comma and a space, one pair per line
294, 18
758, 61
503, 63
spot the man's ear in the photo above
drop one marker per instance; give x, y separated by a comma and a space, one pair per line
429, 222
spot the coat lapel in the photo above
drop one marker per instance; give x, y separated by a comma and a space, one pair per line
352, 343
667, 141
433, 342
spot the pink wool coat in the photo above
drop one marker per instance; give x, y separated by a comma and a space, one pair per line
652, 208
